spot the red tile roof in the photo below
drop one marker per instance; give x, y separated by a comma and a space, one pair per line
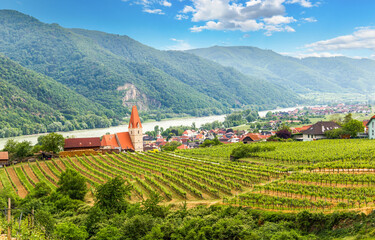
182, 147
4, 156
82, 142
109, 140
252, 136
135, 121
125, 140
365, 122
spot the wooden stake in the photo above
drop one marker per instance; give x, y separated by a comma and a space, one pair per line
32, 218
9, 219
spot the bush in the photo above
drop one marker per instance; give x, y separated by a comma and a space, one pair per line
247, 150
71, 183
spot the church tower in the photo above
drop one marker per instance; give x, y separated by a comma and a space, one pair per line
135, 130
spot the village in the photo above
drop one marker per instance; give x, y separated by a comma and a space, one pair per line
269, 128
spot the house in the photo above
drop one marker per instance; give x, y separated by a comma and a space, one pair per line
250, 137
317, 130
148, 139
4, 158
72, 144
371, 128
182, 147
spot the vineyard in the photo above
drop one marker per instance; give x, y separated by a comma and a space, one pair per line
322, 178
175, 178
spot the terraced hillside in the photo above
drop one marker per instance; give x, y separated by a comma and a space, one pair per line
324, 175
265, 181
175, 178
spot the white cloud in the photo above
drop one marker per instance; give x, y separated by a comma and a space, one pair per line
362, 38
166, 3
311, 54
153, 11
246, 35
244, 26
180, 45
181, 17
277, 28
248, 15
276, 20
303, 3
231, 15
151, 6
309, 19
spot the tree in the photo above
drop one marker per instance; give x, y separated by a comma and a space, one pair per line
71, 183
108, 233
70, 231
284, 132
171, 146
353, 127
269, 114
18, 149
111, 196
52, 142
151, 206
347, 118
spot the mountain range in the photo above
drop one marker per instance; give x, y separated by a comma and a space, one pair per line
59, 79
312, 74
104, 74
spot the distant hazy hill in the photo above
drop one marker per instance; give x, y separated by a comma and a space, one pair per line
115, 71
336, 74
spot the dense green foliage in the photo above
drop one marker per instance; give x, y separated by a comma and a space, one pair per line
335, 74
247, 150
96, 64
51, 142
33, 103
18, 150
71, 183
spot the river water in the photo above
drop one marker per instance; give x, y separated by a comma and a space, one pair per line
148, 126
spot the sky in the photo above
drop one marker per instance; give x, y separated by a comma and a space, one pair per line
298, 28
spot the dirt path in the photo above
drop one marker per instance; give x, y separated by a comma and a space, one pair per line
30, 173
60, 164
48, 171
21, 190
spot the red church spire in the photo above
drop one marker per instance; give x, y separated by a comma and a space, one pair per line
135, 121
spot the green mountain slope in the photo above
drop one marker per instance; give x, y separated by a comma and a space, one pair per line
33, 103
337, 74
117, 71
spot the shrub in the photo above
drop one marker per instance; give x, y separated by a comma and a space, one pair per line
248, 150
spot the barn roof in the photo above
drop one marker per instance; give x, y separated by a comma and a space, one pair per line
4, 156
82, 142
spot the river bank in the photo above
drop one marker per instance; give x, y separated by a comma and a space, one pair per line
147, 126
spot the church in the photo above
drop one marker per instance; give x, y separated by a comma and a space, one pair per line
126, 141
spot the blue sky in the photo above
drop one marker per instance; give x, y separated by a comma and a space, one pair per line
294, 27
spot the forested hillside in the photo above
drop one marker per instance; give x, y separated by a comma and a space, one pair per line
33, 103
117, 71
333, 75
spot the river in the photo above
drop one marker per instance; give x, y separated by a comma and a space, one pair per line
148, 126
98, 132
